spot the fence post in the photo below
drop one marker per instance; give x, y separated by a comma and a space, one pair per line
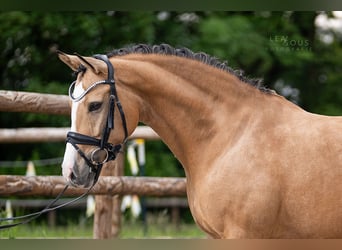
103, 208
107, 217
116, 213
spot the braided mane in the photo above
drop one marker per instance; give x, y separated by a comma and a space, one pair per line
166, 49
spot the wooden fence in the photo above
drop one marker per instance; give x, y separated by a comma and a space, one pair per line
23, 135
111, 185
50, 186
16, 101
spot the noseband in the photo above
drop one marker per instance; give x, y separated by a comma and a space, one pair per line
105, 151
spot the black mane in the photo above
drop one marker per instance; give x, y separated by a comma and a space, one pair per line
185, 52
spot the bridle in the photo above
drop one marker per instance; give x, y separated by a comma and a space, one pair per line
104, 153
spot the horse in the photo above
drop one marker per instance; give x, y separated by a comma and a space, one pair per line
256, 164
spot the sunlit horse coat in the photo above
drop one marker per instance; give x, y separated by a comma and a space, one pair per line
257, 165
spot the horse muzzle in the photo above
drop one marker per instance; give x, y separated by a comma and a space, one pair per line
101, 153
81, 178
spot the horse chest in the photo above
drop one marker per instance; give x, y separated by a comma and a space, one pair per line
203, 219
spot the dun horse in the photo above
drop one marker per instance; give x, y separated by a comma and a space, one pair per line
257, 165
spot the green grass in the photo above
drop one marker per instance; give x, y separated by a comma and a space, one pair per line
45, 232
129, 230
158, 225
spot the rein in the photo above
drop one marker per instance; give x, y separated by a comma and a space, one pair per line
104, 153
29, 217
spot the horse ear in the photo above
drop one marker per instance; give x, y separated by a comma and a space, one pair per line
74, 61
96, 65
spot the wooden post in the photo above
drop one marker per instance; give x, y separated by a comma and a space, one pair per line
175, 217
116, 213
102, 228
107, 218
52, 218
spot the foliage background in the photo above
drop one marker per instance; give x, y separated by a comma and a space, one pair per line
287, 49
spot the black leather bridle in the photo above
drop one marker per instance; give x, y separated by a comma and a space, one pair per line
105, 151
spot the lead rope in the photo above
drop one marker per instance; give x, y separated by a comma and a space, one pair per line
29, 217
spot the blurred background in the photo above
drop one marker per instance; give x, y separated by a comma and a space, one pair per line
299, 54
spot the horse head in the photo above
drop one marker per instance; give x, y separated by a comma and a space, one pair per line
92, 140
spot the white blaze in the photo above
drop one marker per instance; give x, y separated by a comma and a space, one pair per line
70, 152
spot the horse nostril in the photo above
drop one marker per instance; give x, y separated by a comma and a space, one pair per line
72, 176
73, 179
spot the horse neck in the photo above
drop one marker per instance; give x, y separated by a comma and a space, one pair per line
186, 102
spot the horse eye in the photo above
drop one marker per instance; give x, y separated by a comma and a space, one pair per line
94, 106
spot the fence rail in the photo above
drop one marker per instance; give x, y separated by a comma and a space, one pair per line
28, 135
50, 186
16, 101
